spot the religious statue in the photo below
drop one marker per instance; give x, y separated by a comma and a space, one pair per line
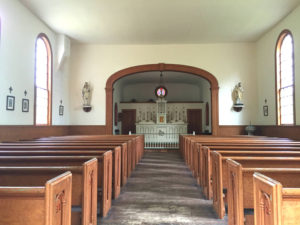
86, 94
237, 94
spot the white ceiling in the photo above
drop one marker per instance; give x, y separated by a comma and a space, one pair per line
161, 21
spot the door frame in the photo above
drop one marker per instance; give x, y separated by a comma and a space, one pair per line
214, 87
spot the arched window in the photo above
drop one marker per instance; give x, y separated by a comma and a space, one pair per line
285, 79
43, 80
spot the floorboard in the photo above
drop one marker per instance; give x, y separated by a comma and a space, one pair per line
161, 191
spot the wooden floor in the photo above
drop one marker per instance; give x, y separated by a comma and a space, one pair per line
162, 191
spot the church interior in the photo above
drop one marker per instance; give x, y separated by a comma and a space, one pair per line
167, 103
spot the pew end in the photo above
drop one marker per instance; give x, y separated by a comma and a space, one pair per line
274, 204
235, 192
217, 186
90, 170
59, 199
106, 167
267, 200
49, 205
205, 171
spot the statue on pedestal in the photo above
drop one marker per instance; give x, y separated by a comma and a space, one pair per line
86, 97
86, 94
237, 94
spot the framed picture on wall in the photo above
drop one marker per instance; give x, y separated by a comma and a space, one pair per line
266, 111
25, 105
61, 110
10, 103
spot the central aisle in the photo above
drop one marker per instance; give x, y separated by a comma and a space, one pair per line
161, 191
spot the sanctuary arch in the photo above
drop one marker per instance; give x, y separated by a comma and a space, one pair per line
163, 67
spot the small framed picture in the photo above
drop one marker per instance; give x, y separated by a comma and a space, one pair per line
10, 102
266, 111
25, 105
61, 110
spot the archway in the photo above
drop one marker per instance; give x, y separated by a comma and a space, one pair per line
163, 67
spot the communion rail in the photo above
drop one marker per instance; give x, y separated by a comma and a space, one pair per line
162, 140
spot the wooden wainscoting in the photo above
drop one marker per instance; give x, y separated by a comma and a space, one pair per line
87, 129
21, 132
292, 132
230, 130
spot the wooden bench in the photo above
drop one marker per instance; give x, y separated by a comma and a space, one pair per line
276, 203
192, 143
240, 182
46, 203
104, 168
196, 153
204, 163
189, 142
119, 163
84, 185
128, 148
132, 147
220, 178
125, 161
138, 140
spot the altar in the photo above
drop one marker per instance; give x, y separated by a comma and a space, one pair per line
162, 128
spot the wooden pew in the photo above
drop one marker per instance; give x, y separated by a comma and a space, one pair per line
220, 178
84, 185
197, 152
240, 183
103, 178
129, 149
205, 162
47, 203
116, 172
138, 140
191, 144
125, 161
276, 203
119, 160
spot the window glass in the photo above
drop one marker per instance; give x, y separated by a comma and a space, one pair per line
285, 79
42, 81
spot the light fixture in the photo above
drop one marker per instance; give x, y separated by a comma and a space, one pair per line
161, 91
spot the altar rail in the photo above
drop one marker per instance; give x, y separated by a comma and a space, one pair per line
162, 140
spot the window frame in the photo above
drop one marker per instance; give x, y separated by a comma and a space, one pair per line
49, 80
279, 42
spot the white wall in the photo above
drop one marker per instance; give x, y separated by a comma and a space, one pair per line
230, 63
19, 30
265, 61
176, 92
